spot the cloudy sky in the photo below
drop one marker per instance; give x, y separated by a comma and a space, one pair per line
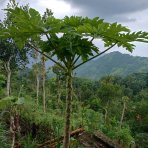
131, 13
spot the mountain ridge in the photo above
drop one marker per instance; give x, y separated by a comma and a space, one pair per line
114, 63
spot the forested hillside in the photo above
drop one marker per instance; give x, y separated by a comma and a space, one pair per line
96, 106
114, 63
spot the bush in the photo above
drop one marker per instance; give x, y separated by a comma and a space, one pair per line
4, 141
141, 140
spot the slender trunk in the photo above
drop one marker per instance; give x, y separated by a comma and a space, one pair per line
13, 141
37, 88
68, 110
8, 70
105, 116
12, 130
43, 83
15, 129
8, 82
58, 90
106, 112
37, 78
122, 116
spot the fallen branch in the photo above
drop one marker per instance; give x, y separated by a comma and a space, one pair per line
54, 142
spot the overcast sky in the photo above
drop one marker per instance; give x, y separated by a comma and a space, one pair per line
131, 13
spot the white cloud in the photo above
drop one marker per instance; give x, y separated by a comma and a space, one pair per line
59, 8
140, 23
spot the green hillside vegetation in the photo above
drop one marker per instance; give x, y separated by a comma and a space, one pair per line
113, 63
97, 106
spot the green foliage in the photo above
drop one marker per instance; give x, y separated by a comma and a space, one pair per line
87, 110
92, 120
95, 104
141, 113
11, 101
32, 17
2, 80
68, 46
143, 94
108, 92
36, 115
10, 53
7, 101
74, 143
124, 135
142, 140
28, 142
4, 140
2, 85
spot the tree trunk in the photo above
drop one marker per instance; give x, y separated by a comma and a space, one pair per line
37, 88
13, 140
37, 77
122, 116
106, 113
105, 116
43, 83
58, 90
15, 129
8, 83
12, 130
8, 71
66, 141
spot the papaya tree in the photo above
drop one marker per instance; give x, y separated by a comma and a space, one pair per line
68, 41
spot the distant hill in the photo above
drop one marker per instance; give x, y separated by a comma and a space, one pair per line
114, 63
